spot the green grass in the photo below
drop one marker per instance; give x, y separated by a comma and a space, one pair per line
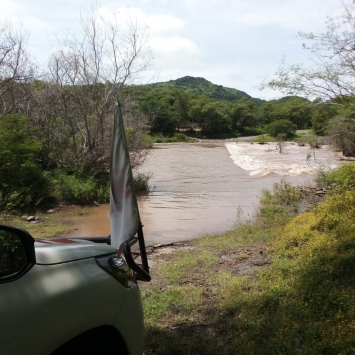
304, 132
48, 226
173, 138
264, 138
302, 301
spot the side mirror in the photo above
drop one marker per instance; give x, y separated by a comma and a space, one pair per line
17, 253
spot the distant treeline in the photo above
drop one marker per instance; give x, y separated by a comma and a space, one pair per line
55, 139
172, 110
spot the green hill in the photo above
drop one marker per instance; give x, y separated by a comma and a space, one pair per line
201, 86
285, 99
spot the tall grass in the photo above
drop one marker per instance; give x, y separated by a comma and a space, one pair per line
92, 189
81, 190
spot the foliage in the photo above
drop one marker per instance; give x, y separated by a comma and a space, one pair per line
211, 116
252, 131
281, 200
330, 77
201, 86
92, 189
173, 138
22, 183
243, 114
263, 139
342, 132
343, 177
322, 114
81, 189
284, 126
140, 182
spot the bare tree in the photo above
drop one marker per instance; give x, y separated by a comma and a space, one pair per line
17, 69
85, 77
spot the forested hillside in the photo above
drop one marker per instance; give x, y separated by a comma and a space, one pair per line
201, 86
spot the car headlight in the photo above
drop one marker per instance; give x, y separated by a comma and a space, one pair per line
118, 268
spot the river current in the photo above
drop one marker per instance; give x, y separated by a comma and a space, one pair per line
205, 188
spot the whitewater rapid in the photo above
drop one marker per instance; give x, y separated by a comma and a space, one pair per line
264, 159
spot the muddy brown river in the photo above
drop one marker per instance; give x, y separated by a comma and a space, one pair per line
195, 189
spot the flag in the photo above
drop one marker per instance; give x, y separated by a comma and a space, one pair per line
124, 213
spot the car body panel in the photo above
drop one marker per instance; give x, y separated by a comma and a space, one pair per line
61, 250
52, 304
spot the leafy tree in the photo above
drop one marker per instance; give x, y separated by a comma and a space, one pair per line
299, 112
265, 111
22, 182
281, 127
211, 116
165, 111
321, 116
331, 76
243, 114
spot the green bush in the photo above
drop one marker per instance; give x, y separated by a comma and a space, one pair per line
263, 139
25, 189
279, 127
140, 182
76, 189
85, 190
281, 200
342, 177
252, 131
23, 185
172, 138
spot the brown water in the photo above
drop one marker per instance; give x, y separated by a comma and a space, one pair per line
196, 189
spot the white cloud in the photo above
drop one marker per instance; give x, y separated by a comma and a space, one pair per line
229, 42
165, 25
175, 48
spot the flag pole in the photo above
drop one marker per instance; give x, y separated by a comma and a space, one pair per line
142, 249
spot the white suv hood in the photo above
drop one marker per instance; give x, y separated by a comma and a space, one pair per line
54, 251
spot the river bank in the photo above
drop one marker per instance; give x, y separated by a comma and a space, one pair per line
281, 283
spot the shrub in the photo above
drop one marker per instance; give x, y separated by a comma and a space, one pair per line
25, 189
23, 185
279, 127
252, 131
140, 182
76, 189
172, 138
263, 139
342, 177
282, 200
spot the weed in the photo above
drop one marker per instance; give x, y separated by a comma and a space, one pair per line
173, 138
175, 270
343, 177
140, 182
263, 139
81, 190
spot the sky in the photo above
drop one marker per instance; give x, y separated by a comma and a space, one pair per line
234, 43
